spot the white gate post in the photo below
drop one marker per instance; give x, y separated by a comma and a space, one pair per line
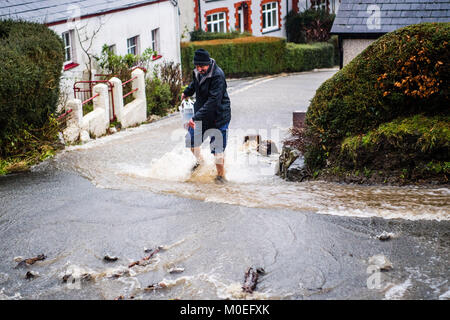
102, 101
76, 115
138, 83
118, 97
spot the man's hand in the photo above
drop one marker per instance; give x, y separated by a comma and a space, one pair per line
183, 97
191, 124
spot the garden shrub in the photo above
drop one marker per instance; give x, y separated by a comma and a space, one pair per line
302, 57
120, 66
170, 73
401, 75
201, 35
238, 57
31, 60
258, 55
311, 25
158, 96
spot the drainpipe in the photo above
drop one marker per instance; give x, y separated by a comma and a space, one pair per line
285, 18
199, 15
177, 17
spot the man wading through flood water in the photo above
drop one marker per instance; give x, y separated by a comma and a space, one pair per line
212, 111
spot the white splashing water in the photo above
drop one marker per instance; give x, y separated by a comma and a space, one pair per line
445, 296
4, 296
397, 292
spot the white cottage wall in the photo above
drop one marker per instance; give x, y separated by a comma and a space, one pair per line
119, 26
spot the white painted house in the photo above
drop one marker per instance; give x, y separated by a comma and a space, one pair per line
126, 26
187, 18
257, 17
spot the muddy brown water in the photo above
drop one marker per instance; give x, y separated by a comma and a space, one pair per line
134, 190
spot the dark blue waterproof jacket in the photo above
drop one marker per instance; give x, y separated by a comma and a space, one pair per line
212, 105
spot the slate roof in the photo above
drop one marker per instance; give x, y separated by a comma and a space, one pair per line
352, 16
51, 11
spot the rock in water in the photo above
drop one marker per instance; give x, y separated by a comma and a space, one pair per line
86, 277
31, 261
30, 275
287, 157
108, 258
251, 279
385, 236
175, 270
297, 170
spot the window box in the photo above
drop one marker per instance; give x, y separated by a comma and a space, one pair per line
69, 66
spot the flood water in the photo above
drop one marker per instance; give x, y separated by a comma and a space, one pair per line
154, 158
134, 190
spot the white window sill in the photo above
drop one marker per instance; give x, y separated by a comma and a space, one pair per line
271, 30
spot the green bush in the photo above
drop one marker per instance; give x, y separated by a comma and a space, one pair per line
311, 25
170, 73
402, 74
238, 57
158, 96
200, 35
120, 66
301, 57
258, 55
31, 60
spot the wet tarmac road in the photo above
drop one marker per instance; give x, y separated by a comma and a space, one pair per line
305, 255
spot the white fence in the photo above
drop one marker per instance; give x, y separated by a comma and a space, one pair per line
96, 123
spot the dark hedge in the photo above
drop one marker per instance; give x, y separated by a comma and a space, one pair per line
31, 60
303, 57
200, 35
258, 55
238, 57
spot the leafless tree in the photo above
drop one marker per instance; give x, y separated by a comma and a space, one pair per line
86, 41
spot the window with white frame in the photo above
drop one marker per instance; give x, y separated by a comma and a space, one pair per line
68, 50
132, 45
216, 22
155, 40
270, 16
319, 4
